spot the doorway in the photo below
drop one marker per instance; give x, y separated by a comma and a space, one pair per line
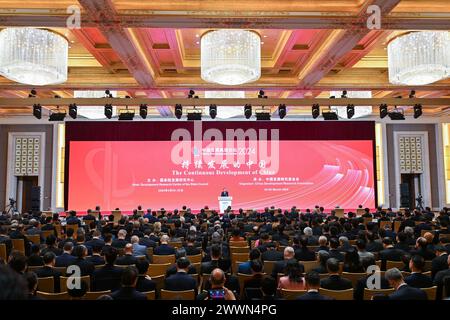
25, 186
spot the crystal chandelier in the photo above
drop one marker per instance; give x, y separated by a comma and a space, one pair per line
93, 112
226, 112
419, 58
360, 111
33, 56
230, 57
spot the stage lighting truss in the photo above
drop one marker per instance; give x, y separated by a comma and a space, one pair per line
329, 115
397, 114
282, 111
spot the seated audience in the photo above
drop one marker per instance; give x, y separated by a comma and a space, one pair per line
335, 281
403, 291
128, 290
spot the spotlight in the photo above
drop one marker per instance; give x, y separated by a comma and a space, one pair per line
282, 111
350, 111
417, 110
143, 110
262, 114
191, 94
178, 111
315, 111
73, 110
248, 111
412, 94
57, 115
108, 94
194, 114
383, 110
108, 111
213, 111
126, 114
344, 94
330, 115
32, 94
37, 111
396, 114
261, 94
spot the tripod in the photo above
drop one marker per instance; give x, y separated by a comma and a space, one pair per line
11, 208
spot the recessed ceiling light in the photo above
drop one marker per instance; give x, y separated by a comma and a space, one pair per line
198, 42
197, 35
265, 36
262, 42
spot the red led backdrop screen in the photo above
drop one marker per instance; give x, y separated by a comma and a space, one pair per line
113, 166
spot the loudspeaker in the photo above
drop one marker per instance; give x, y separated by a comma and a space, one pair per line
36, 198
404, 195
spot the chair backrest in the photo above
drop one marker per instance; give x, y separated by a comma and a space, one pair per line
204, 280
177, 295
63, 281
3, 254
46, 233
160, 259
19, 245
353, 277
62, 270
195, 258
444, 236
117, 215
74, 227
324, 275
99, 266
360, 212
384, 223
427, 266
242, 278
431, 292
238, 244
52, 296
176, 244
159, 283
239, 250
369, 293
291, 294
338, 294
151, 295
394, 264
397, 225
155, 270
33, 268
235, 257
309, 265
197, 266
46, 284
150, 253
35, 238
94, 295
367, 220
268, 266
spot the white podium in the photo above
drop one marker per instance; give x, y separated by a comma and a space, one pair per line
224, 203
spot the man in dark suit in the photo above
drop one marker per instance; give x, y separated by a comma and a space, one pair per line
66, 258
361, 284
216, 261
422, 249
164, 249
72, 219
224, 193
127, 258
335, 281
144, 282
87, 268
417, 279
390, 253
48, 270
120, 242
402, 242
96, 259
95, 241
108, 277
271, 253
145, 240
181, 280
181, 253
312, 279
191, 249
440, 262
128, 288
334, 252
402, 290
440, 278
257, 277
280, 266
